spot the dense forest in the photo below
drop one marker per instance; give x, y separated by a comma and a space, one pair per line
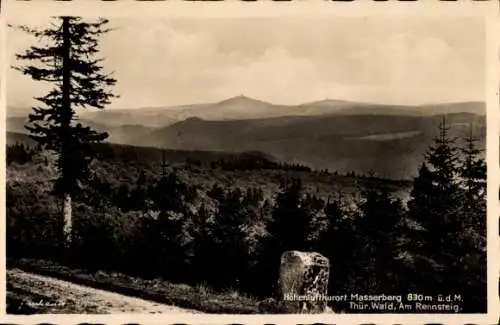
226, 220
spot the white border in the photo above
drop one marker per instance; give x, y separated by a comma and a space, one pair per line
231, 8
3, 141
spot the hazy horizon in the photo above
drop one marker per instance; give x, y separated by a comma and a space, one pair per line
12, 110
283, 61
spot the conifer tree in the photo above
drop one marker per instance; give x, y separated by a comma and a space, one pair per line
422, 200
435, 205
288, 228
169, 234
230, 237
377, 229
336, 244
67, 61
472, 239
422, 191
335, 221
203, 243
472, 171
291, 223
435, 198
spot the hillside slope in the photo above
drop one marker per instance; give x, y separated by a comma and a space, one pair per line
388, 140
242, 107
390, 146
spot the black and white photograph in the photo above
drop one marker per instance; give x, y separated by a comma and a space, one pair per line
270, 165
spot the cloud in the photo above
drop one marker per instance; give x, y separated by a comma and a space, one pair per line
191, 67
170, 63
413, 68
430, 50
276, 75
162, 64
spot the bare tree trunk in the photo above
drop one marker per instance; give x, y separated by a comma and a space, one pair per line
65, 128
68, 222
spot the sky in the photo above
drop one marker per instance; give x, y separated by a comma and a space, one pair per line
290, 60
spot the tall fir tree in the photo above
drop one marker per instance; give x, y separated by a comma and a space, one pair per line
435, 197
435, 205
230, 237
376, 238
472, 171
472, 239
67, 61
420, 205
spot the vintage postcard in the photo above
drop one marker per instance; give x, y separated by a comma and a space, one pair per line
250, 162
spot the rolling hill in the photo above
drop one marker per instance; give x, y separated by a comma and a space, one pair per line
390, 146
121, 134
389, 140
242, 107
13, 138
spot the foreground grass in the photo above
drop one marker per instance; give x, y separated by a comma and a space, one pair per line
200, 298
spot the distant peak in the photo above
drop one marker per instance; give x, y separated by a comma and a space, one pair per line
240, 98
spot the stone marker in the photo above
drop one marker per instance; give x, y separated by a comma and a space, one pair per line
303, 282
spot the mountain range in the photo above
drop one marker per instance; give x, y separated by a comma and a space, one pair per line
389, 140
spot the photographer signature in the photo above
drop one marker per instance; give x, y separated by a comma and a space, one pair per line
44, 303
